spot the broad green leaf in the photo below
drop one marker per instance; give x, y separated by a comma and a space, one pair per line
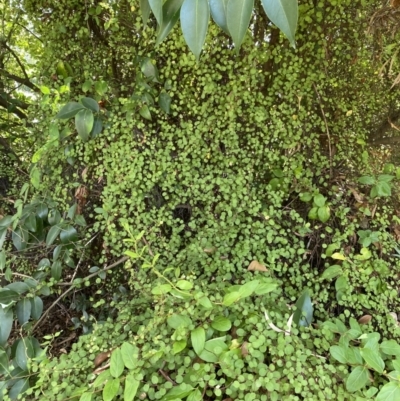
4, 363
37, 307
169, 18
390, 347
338, 256
284, 14
6, 221
68, 234
385, 178
97, 127
184, 285
129, 355
161, 289
218, 13
90, 104
35, 176
52, 235
18, 287
23, 310
19, 238
2, 260
19, 387
6, 319
231, 298
238, 15
56, 270
30, 223
80, 220
84, 121
145, 10
195, 395
164, 100
265, 288
179, 346
332, 272
205, 303
117, 365
319, 200
86, 397
313, 213
178, 392
198, 338
24, 352
176, 321
86, 86
7, 296
303, 315
339, 353
373, 359
248, 288
100, 87
69, 110
145, 112
110, 389
54, 217
102, 378
324, 213
157, 9
366, 180
353, 356
389, 392
131, 387
383, 189
194, 23
221, 323
212, 349
358, 378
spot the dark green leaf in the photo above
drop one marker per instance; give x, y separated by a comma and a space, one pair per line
69, 110
145, 112
90, 104
170, 16
68, 234
23, 310
30, 223
157, 8
43, 264
97, 127
332, 272
3, 233
4, 364
52, 235
7, 296
194, 23
54, 217
19, 238
164, 100
145, 10
238, 15
18, 287
71, 211
84, 121
218, 13
37, 307
56, 270
24, 352
304, 310
19, 387
284, 14
6, 319
5, 221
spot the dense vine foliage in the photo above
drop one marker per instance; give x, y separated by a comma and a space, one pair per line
246, 229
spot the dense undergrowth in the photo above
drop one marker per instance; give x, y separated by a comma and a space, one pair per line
223, 231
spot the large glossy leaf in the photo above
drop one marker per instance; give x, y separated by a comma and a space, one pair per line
23, 310
37, 307
18, 287
90, 104
24, 352
69, 110
84, 121
56, 270
284, 14
20, 238
238, 15
7, 296
131, 387
145, 10
157, 8
6, 319
218, 13
19, 387
170, 17
304, 310
194, 23
52, 235
68, 234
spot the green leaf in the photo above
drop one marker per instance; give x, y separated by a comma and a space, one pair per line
110, 389
23, 310
36, 307
339, 353
69, 110
238, 15
366, 180
2, 260
170, 16
68, 234
6, 319
35, 176
195, 395
332, 272
284, 14
265, 288
218, 13
373, 359
117, 365
389, 392
90, 104
7, 296
24, 352
390, 347
385, 178
319, 200
86, 86
383, 189
248, 289
176, 321
198, 338
205, 303
18, 287
161, 289
97, 127
86, 397
30, 223
52, 235
130, 355
131, 387
212, 349
358, 378
324, 213
19, 238
56, 270
157, 9
303, 315
178, 392
145, 10
3, 233
179, 346
4, 364
19, 387
84, 121
194, 23
100, 87
231, 298
164, 101
6, 221
145, 112
313, 213
221, 323
184, 285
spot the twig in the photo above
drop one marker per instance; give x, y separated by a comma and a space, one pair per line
166, 377
118, 262
327, 129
